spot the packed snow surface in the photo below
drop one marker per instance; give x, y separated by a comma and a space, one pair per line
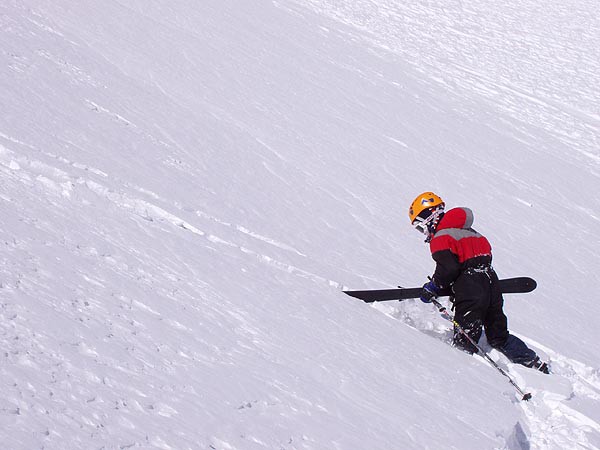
187, 186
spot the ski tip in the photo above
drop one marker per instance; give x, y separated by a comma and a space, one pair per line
527, 397
532, 285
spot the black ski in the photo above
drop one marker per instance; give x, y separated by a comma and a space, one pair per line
517, 285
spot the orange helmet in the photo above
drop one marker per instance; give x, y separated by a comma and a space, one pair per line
425, 201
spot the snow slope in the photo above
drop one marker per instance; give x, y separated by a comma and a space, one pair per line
186, 186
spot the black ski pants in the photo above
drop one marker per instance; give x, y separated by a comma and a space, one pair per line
478, 304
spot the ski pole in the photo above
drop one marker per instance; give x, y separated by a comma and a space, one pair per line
446, 315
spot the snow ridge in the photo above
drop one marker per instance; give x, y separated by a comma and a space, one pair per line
558, 414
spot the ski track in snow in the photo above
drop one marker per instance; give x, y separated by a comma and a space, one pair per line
551, 419
58, 182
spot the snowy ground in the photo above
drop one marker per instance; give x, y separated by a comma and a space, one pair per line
186, 187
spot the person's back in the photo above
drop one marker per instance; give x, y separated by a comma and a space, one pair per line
455, 246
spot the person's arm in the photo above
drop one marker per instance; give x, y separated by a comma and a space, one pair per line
447, 268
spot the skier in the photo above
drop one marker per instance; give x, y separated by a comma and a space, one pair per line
464, 262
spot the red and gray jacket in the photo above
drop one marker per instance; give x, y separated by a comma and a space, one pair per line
456, 247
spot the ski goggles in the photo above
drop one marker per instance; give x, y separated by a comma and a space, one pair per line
424, 219
421, 225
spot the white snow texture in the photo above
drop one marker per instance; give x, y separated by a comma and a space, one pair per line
187, 186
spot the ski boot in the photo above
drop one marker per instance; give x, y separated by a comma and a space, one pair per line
540, 365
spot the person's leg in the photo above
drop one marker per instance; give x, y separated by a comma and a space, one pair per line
495, 321
472, 296
496, 330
